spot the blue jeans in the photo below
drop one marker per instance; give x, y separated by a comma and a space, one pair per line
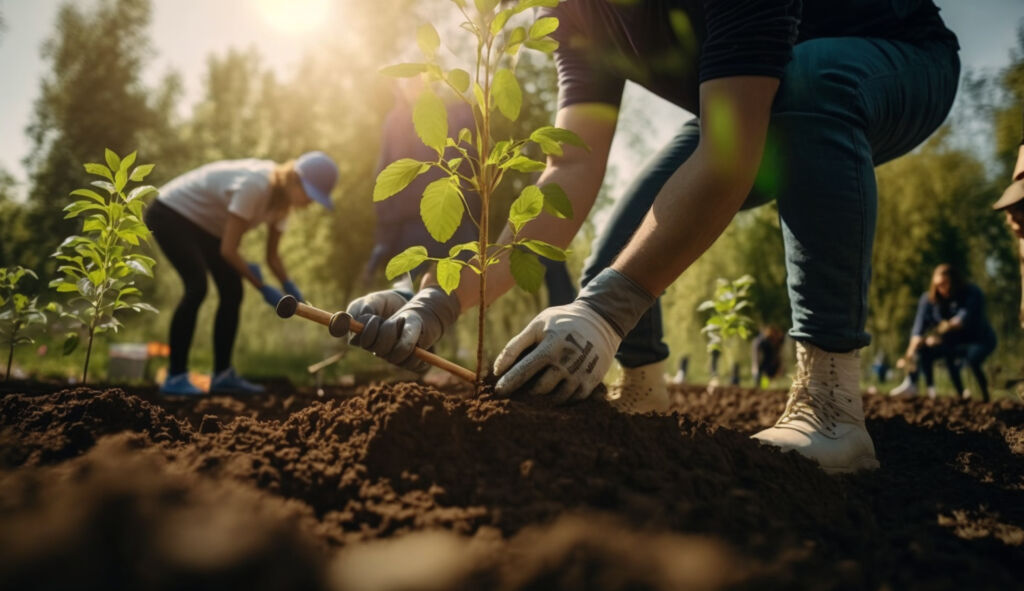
845, 105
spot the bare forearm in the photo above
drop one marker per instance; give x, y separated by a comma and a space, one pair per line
238, 263
277, 267
691, 211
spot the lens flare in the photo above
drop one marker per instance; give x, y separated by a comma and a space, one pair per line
295, 16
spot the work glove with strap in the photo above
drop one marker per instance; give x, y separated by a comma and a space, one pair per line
392, 329
271, 294
573, 345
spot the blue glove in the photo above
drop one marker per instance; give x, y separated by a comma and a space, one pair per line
291, 289
255, 268
271, 294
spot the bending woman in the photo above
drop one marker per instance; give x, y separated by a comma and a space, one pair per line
951, 324
199, 220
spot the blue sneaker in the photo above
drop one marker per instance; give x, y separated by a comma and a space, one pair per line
180, 385
228, 381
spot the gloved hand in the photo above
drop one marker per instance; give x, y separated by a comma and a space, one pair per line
573, 344
271, 294
379, 303
393, 334
255, 268
291, 289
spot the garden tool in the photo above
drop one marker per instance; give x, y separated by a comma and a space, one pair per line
340, 323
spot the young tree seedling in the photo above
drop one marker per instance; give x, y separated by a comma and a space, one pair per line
20, 316
726, 321
99, 267
492, 88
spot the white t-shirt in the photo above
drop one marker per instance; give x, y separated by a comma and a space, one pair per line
209, 193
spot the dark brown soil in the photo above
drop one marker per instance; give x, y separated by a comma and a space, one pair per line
405, 487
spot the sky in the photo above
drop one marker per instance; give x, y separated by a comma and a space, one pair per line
186, 31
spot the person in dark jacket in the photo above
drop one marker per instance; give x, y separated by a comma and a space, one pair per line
950, 325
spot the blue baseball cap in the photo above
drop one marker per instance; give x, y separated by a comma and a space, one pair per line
318, 174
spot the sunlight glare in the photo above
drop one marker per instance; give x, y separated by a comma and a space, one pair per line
295, 16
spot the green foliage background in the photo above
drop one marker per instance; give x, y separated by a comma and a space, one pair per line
933, 203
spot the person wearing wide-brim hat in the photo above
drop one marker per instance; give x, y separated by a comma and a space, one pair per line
1011, 203
199, 220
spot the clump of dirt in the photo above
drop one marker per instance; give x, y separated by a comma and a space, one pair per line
38, 430
519, 494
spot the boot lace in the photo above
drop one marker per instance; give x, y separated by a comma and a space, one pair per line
815, 397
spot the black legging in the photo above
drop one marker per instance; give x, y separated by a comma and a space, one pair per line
194, 251
973, 353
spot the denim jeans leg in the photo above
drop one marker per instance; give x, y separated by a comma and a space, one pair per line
845, 105
644, 344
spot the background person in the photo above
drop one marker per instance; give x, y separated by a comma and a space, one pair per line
766, 355
1012, 205
198, 221
951, 324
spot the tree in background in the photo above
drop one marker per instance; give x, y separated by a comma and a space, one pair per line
92, 97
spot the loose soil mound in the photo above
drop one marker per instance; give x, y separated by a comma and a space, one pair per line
406, 487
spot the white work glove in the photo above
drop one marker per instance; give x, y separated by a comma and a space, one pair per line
393, 332
573, 345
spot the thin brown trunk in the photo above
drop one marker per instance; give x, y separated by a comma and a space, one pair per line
10, 360
88, 354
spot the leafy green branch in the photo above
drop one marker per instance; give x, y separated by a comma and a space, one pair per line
726, 320
20, 316
99, 267
492, 88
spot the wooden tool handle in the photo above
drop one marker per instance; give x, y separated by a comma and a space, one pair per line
289, 306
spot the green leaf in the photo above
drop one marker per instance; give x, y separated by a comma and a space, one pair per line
406, 70
485, 7
544, 249
113, 160
70, 344
460, 3
428, 40
526, 207
448, 274
94, 224
99, 170
141, 192
499, 151
515, 40
141, 172
458, 249
556, 202
405, 261
441, 209
499, 21
430, 118
543, 27
120, 180
528, 4
524, 164
397, 176
546, 45
705, 305
454, 163
90, 195
506, 93
128, 160
465, 136
459, 78
144, 307
108, 187
557, 134
527, 270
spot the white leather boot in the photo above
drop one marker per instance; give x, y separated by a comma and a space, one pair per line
641, 389
824, 417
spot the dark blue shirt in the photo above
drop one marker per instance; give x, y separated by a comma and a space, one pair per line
968, 306
671, 46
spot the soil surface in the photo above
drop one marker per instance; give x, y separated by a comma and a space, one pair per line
404, 487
